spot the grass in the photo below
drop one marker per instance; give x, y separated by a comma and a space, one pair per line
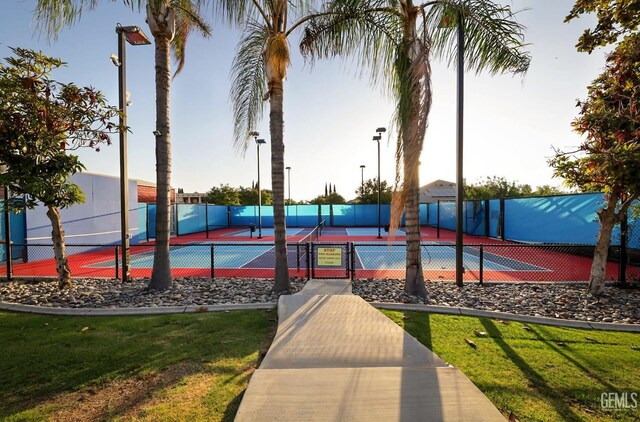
540, 374
196, 366
169, 367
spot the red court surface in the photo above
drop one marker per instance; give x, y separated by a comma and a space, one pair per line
226, 254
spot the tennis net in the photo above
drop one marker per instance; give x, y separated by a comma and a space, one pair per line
314, 234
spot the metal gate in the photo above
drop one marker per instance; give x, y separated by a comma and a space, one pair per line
331, 260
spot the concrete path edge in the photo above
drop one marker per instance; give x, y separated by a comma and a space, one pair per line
34, 309
568, 323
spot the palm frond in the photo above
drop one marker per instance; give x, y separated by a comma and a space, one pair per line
52, 15
494, 39
248, 82
352, 29
187, 19
234, 12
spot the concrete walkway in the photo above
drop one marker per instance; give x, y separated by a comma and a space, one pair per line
335, 358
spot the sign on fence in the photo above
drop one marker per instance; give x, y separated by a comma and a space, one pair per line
329, 257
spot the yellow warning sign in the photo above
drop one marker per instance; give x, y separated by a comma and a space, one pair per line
329, 257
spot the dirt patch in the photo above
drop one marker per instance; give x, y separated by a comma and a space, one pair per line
118, 396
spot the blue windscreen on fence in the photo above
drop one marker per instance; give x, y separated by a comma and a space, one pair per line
633, 232
555, 219
140, 235
448, 215
432, 214
305, 215
343, 215
494, 218
18, 224
245, 215
151, 217
191, 218
325, 214
218, 215
423, 214
475, 218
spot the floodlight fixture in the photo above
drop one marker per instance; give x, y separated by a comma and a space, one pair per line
133, 34
381, 130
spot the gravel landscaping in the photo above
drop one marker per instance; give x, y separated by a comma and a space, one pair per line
565, 301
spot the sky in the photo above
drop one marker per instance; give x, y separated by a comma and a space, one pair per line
330, 113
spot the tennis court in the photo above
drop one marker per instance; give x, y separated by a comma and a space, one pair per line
356, 252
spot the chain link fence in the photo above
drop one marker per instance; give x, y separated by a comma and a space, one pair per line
492, 263
482, 262
249, 260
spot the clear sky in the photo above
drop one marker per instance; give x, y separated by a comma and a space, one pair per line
330, 114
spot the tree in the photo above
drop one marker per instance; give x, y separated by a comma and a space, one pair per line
615, 18
223, 195
609, 159
547, 190
332, 198
496, 187
395, 39
170, 22
258, 73
41, 121
250, 196
368, 193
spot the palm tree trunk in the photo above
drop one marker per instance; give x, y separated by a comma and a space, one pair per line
276, 126
412, 147
59, 249
161, 274
608, 219
414, 283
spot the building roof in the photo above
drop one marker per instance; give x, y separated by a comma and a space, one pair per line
438, 189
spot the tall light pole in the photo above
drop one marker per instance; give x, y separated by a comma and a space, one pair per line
377, 138
289, 182
459, 155
258, 143
362, 166
134, 36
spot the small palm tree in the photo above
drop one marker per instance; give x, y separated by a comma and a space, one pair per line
396, 39
258, 73
170, 22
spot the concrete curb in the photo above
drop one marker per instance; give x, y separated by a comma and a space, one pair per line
34, 309
631, 328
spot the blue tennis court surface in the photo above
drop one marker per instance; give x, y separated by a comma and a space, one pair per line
266, 232
384, 256
199, 256
370, 231
373, 257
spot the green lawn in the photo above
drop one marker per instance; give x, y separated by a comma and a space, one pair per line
196, 366
541, 374
171, 367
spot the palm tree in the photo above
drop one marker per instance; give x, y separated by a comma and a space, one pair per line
170, 23
258, 72
396, 39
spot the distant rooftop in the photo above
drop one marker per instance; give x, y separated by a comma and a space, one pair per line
438, 190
